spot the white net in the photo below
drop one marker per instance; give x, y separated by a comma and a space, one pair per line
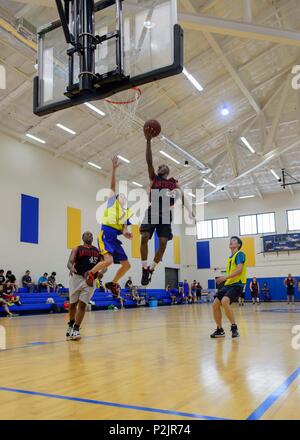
121, 109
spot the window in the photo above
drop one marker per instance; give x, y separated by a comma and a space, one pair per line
212, 228
257, 224
204, 229
293, 220
220, 227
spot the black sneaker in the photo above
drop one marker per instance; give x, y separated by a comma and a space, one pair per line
114, 288
145, 277
234, 331
219, 333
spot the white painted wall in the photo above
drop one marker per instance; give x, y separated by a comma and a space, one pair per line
58, 183
266, 266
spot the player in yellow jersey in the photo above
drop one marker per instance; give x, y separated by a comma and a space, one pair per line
115, 221
230, 288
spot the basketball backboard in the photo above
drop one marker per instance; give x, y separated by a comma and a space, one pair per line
134, 42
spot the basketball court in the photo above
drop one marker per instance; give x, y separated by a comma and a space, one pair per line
102, 103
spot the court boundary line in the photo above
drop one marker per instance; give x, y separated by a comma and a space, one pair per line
274, 396
112, 404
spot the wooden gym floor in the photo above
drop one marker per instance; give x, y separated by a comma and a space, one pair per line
152, 364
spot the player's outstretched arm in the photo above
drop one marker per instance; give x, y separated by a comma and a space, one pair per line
71, 261
115, 164
149, 132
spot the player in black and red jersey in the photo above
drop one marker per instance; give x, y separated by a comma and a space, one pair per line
82, 259
158, 217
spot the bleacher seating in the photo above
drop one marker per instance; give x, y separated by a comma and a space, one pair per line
36, 303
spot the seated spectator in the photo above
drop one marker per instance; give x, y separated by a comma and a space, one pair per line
174, 294
27, 282
12, 279
54, 307
129, 284
7, 294
134, 295
99, 284
2, 277
3, 303
52, 282
43, 283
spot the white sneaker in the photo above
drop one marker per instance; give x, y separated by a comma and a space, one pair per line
75, 334
69, 332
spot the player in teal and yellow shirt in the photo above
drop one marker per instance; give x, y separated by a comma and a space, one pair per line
115, 221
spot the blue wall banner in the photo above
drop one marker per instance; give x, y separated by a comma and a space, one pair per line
29, 230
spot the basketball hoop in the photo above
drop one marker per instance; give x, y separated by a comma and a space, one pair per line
122, 108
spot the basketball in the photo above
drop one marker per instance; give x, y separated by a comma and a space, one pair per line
154, 125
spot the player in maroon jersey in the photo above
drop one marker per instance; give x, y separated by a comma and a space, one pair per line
81, 260
158, 217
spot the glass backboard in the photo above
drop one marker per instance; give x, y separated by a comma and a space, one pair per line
151, 48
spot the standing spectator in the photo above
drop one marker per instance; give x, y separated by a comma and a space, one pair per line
52, 282
2, 277
193, 291
186, 288
290, 288
266, 292
43, 283
12, 279
27, 282
254, 288
198, 291
128, 284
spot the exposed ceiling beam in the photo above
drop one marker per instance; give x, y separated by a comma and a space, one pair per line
204, 23
230, 151
264, 160
279, 110
228, 66
233, 73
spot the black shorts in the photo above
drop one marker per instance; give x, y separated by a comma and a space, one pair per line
254, 294
162, 229
232, 292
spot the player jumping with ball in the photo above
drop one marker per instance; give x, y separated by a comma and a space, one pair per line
158, 217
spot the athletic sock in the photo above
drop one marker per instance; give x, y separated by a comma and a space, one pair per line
153, 266
145, 264
71, 323
76, 327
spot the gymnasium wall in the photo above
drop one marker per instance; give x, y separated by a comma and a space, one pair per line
265, 266
58, 184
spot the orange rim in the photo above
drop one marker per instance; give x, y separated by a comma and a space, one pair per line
136, 98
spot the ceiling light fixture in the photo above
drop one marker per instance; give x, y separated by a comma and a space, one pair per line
68, 130
192, 80
95, 165
245, 142
95, 109
123, 159
35, 138
169, 157
210, 183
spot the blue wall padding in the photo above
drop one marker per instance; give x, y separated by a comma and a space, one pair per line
203, 255
276, 286
29, 232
